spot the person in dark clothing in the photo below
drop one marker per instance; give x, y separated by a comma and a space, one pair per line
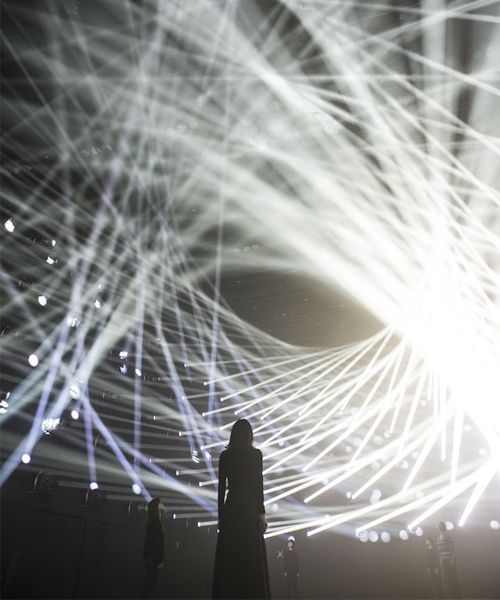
446, 550
153, 547
433, 570
240, 569
291, 569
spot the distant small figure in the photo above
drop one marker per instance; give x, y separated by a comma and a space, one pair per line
446, 550
153, 547
433, 567
240, 569
291, 569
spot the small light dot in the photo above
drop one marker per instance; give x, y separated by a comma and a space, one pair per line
403, 534
9, 225
75, 414
94, 485
136, 488
97, 303
385, 536
53, 243
494, 524
138, 372
42, 300
123, 354
419, 531
33, 360
50, 261
26, 458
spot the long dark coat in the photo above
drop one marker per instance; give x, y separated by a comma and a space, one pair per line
240, 569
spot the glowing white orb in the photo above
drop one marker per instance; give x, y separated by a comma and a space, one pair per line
136, 488
9, 225
33, 360
495, 524
42, 300
75, 414
373, 536
26, 458
93, 485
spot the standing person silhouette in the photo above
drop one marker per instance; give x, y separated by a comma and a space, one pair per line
240, 569
446, 549
433, 567
153, 547
291, 569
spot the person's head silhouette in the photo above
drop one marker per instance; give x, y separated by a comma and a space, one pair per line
241, 435
155, 508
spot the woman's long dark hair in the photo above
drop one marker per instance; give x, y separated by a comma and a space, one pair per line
153, 512
241, 436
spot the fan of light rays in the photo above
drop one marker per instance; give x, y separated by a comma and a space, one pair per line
178, 142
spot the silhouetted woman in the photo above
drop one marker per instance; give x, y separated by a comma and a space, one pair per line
240, 558
153, 547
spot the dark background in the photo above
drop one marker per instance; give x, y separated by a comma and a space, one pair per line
54, 547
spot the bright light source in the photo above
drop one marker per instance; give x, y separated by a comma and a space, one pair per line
419, 531
9, 225
373, 536
136, 488
93, 485
385, 536
75, 414
123, 354
495, 524
42, 300
53, 243
449, 526
97, 303
50, 425
74, 391
33, 360
403, 534
50, 260
138, 372
26, 458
